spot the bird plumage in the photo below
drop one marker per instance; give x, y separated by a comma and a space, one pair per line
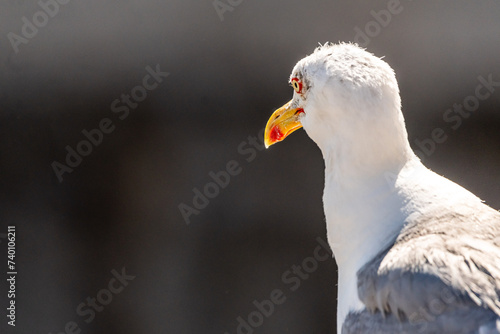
412, 247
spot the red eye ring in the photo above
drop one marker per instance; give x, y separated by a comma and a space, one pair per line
297, 85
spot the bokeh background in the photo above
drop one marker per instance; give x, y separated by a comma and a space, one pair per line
227, 72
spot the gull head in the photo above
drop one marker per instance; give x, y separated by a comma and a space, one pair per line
347, 100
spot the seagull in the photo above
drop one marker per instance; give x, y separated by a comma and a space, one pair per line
416, 252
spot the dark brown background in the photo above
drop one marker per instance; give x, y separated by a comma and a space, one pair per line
119, 208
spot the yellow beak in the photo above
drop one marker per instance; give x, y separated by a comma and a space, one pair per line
283, 121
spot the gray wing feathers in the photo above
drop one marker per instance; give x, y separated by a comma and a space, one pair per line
463, 321
443, 268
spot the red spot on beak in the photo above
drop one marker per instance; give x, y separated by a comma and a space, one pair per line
276, 134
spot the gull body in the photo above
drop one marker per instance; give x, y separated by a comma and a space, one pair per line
398, 231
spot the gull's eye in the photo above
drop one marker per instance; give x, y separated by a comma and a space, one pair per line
297, 85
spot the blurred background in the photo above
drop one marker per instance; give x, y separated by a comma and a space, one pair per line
63, 66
